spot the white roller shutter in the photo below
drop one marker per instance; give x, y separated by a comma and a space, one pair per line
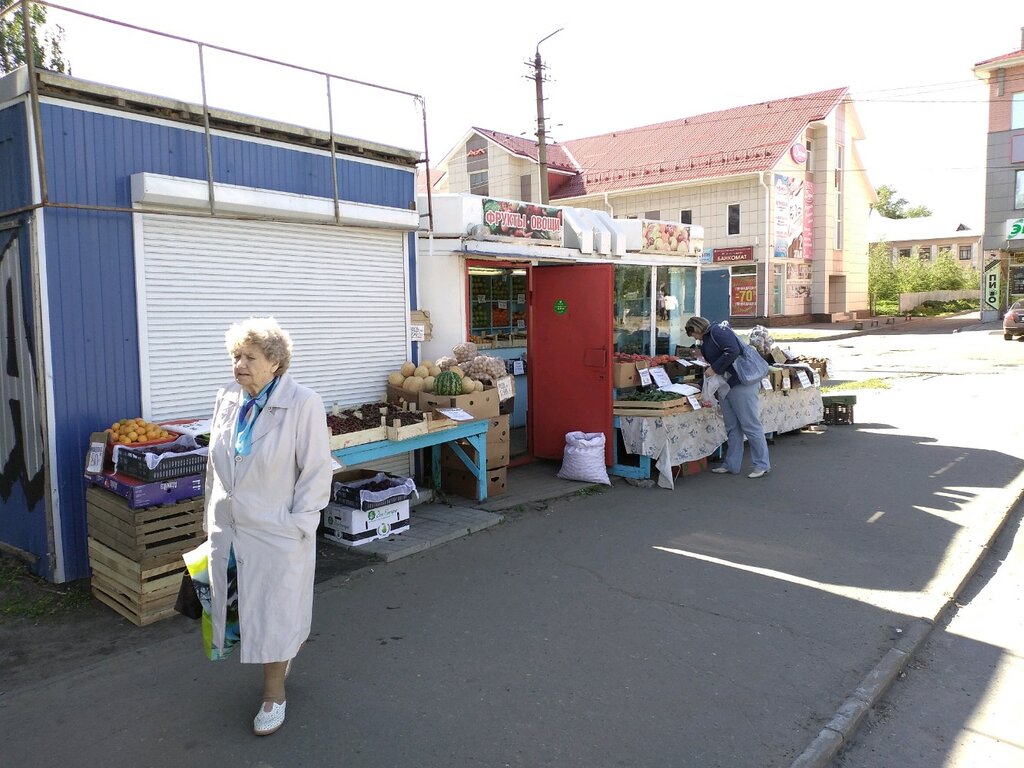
339, 291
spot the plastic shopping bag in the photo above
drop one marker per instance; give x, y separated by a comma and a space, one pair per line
198, 563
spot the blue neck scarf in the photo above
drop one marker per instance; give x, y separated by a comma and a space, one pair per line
251, 408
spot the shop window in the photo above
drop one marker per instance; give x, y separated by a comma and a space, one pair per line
526, 188
497, 306
965, 253
674, 305
686, 217
1018, 195
904, 253
924, 252
631, 324
733, 219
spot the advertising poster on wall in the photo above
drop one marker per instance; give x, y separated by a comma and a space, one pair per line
798, 290
743, 296
793, 215
506, 218
798, 272
664, 237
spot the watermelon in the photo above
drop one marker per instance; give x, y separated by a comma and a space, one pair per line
447, 383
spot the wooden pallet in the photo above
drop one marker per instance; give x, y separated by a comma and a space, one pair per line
141, 595
151, 537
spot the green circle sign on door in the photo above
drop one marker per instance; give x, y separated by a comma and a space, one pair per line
560, 306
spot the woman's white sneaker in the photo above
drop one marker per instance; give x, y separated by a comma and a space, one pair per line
757, 473
266, 722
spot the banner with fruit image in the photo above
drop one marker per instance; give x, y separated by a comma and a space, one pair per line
664, 237
507, 218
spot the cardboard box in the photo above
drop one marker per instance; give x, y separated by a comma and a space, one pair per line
625, 374
98, 458
141, 494
483, 405
402, 397
497, 430
497, 455
355, 527
462, 483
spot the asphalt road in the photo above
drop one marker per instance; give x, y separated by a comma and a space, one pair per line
720, 624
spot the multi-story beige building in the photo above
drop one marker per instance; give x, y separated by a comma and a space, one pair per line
778, 186
1003, 277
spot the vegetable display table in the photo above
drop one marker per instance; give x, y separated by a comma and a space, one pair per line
474, 431
683, 437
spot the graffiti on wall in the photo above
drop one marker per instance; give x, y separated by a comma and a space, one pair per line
21, 458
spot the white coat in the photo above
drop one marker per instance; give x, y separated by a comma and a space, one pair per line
267, 506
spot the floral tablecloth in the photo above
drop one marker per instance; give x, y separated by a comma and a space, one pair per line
673, 440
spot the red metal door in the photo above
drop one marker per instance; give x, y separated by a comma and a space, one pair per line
569, 355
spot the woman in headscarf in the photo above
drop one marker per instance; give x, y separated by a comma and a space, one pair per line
741, 408
268, 478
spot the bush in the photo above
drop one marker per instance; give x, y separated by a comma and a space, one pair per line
887, 279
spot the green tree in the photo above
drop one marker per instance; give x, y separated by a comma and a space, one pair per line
47, 42
893, 207
883, 283
888, 278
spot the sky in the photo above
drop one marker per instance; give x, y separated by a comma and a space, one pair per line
908, 65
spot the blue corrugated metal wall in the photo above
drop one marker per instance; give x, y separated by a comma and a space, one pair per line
22, 509
15, 191
90, 158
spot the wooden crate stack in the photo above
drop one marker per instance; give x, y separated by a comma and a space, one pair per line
135, 554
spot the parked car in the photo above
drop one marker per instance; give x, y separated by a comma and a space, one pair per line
1013, 321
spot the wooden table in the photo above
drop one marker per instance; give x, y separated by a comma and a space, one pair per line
474, 431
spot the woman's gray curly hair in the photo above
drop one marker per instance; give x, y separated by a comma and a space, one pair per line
698, 324
266, 335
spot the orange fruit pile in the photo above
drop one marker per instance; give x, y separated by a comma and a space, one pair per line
130, 431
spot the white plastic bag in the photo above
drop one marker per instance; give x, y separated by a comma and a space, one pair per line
583, 458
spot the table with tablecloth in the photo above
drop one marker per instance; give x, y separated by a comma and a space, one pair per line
682, 437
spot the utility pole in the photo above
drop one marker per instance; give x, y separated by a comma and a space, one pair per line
542, 152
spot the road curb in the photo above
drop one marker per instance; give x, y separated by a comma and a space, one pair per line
848, 717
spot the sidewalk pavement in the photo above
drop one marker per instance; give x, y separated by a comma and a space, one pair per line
727, 623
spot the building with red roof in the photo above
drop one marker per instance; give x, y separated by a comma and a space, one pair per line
778, 186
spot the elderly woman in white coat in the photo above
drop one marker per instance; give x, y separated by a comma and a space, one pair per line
268, 478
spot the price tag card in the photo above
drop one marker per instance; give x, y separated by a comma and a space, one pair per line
506, 388
418, 332
817, 379
701, 363
694, 402
645, 376
802, 376
502, 305
456, 414
520, 323
336, 465
659, 376
521, 298
481, 299
518, 368
766, 384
